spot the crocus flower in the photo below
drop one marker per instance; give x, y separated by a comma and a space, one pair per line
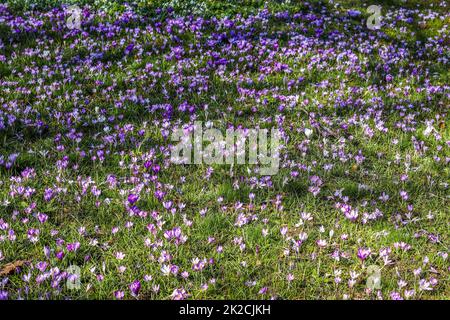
354, 13
3, 295
119, 294
135, 287
179, 294
363, 253
133, 198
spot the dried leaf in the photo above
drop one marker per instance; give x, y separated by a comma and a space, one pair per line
11, 267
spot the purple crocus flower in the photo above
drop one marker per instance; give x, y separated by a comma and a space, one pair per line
119, 294
133, 198
73, 246
3, 295
59, 255
363, 253
147, 164
42, 266
135, 287
179, 294
129, 48
354, 13
396, 296
42, 217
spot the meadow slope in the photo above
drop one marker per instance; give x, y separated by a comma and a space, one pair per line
87, 183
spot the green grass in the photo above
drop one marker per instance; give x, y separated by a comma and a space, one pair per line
264, 259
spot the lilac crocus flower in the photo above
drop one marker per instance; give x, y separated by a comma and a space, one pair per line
119, 294
396, 296
179, 294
